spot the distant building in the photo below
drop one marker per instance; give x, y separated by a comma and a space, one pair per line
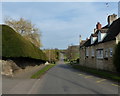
97, 51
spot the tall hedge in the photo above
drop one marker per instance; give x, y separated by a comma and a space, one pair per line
116, 58
14, 45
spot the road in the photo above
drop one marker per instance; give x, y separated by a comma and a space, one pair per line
61, 79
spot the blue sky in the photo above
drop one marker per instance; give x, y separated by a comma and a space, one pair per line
61, 23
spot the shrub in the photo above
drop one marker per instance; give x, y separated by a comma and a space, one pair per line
14, 45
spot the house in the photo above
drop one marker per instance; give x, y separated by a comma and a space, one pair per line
97, 52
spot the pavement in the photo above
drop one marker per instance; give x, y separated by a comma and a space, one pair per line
61, 79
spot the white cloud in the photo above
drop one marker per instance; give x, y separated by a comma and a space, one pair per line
59, 0
1, 13
62, 23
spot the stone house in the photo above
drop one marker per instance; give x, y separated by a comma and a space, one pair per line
97, 52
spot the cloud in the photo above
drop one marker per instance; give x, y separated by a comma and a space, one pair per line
61, 23
1, 13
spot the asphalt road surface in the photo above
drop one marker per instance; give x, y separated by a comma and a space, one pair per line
61, 79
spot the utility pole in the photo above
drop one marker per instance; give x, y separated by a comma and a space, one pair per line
80, 38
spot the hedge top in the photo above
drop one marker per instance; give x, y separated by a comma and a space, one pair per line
14, 45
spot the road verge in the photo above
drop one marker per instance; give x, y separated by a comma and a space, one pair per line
100, 73
42, 71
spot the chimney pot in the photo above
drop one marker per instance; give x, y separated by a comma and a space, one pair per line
98, 26
111, 18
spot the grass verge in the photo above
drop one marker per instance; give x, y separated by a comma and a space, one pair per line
100, 73
42, 71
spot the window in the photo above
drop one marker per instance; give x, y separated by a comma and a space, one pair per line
111, 52
100, 53
93, 39
106, 53
92, 52
87, 52
101, 36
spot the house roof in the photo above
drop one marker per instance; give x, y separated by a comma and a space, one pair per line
82, 42
94, 35
112, 31
105, 27
87, 43
104, 30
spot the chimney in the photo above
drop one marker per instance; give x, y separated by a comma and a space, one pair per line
98, 26
111, 18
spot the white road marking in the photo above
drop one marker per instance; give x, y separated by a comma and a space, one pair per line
33, 87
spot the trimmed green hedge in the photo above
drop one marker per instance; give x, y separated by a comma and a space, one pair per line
14, 45
116, 58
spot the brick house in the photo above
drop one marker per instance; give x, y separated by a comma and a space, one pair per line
97, 52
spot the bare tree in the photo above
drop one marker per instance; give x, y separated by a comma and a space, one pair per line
26, 29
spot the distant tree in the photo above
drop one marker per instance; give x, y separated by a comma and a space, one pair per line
52, 54
26, 29
116, 58
72, 53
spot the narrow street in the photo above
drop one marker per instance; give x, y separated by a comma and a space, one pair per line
61, 79
38, 38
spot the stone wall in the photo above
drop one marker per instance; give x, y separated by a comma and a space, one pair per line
12, 66
8, 67
94, 62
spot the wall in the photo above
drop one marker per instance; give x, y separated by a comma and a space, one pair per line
93, 61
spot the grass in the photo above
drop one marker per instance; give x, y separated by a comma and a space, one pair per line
42, 71
100, 73
14, 45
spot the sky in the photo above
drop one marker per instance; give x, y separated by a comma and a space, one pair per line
61, 23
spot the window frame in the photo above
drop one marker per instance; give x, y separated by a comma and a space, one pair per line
111, 51
100, 53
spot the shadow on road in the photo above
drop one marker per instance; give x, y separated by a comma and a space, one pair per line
77, 84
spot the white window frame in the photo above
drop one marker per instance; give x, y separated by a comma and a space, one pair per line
93, 39
100, 54
101, 36
87, 51
111, 52
106, 52
92, 52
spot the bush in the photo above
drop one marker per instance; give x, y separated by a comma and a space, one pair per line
116, 58
14, 45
